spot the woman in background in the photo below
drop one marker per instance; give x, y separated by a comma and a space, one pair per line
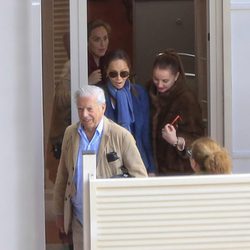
128, 104
176, 115
208, 157
98, 42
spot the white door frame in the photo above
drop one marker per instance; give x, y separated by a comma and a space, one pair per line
78, 49
219, 72
227, 73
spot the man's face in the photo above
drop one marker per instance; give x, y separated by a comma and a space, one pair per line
90, 112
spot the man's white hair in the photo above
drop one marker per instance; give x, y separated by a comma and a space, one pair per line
91, 90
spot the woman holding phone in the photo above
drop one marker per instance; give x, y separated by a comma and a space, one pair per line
176, 115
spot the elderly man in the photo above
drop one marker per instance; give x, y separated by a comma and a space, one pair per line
115, 148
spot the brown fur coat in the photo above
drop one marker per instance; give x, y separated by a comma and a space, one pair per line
179, 100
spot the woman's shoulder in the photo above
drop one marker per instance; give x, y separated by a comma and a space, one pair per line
182, 91
189, 95
138, 89
138, 86
114, 129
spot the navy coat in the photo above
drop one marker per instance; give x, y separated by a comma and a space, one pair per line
141, 129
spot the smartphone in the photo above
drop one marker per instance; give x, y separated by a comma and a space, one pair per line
175, 121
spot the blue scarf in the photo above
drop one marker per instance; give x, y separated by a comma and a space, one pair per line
124, 105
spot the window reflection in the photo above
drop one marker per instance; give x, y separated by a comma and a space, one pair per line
125, 18
55, 76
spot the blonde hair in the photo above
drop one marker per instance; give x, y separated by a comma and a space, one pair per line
211, 157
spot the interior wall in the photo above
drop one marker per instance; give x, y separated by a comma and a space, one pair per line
21, 147
159, 25
240, 50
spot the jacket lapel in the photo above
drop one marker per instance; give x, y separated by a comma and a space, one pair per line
104, 140
75, 142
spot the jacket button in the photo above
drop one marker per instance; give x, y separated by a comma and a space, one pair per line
65, 198
68, 183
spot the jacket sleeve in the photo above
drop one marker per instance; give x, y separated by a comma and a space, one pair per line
191, 127
131, 156
61, 179
146, 135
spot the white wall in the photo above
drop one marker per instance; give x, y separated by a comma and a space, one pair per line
21, 158
240, 51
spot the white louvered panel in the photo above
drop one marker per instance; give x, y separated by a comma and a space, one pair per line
61, 26
175, 213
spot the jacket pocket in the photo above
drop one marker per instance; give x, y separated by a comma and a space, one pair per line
115, 167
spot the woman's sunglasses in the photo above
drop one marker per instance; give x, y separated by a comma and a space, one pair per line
114, 74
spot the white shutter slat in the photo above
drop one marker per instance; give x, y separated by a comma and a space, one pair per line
175, 213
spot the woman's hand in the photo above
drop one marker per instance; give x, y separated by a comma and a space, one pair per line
169, 134
95, 77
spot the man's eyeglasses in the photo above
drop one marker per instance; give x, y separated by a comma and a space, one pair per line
114, 74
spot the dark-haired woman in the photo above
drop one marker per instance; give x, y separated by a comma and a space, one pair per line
128, 103
176, 119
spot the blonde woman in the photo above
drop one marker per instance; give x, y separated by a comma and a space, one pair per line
208, 157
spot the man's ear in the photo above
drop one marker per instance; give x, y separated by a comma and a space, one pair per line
104, 107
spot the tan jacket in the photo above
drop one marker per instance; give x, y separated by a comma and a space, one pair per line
114, 139
61, 115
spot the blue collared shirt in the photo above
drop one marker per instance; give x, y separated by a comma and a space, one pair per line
84, 145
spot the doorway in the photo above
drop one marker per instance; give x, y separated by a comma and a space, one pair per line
125, 18
180, 25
